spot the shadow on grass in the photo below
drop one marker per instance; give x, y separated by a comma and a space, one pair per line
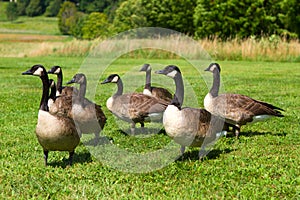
256, 133
84, 157
146, 131
194, 154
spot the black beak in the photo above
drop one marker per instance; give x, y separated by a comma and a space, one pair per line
159, 72
71, 81
105, 81
28, 72
207, 69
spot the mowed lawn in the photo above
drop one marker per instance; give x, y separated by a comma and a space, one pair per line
264, 163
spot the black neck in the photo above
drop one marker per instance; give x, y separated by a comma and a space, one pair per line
82, 91
120, 88
148, 80
45, 97
179, 93
214, 91
53, 92
59, 82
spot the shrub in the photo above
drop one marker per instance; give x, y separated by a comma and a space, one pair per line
21, 5
130, 14
34, 8
53, 8
12, 11
67, 17
95, 25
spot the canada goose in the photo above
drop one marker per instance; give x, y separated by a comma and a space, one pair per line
87, 115
133, 107
236, 109
54, 133
188, 126
62, 90
158, 92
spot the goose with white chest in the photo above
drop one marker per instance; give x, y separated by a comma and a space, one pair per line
133, 107
189, 126
158, 92
54, 133
88, 116
236, 109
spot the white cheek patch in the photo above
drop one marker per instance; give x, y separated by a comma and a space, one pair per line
172, 74
213, 68
81, 80
115, 79
57, 71
38, 72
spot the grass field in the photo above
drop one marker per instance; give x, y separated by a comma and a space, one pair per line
264, 163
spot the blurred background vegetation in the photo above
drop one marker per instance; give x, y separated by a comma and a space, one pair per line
90, 19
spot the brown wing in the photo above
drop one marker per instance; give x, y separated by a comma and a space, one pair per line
241, 108
140, 106
162, 94
69, 91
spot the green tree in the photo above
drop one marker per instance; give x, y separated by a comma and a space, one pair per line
12, 11
291, 19
53, 8
173, 14
130, 14
35, 8
95, 25
22, 4
67, 17
236, 18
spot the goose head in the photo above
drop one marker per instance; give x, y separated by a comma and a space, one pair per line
36, 70
55, 70
171, 71
145, 68
78, 78
113, 78
213, 67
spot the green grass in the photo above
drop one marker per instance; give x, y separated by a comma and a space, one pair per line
262, 164
34, 25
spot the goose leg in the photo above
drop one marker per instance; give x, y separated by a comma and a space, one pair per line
46, 156
71, 154
237, 130
182, 150
132, 128
142, 127
202, 153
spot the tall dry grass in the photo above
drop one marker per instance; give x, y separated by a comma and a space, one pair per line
252, 49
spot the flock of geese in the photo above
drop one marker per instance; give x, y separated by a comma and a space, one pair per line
65, 113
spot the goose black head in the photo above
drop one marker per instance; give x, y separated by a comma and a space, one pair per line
77, 78
145, 67
52, 84
213, 67
170, 71
55, 70
36, 70
113, 78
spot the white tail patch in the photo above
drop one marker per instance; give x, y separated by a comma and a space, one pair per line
38, 72
259, 118
172, 74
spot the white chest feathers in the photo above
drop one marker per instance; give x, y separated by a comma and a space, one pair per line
147, 92
109, 103
175, 123
208, 102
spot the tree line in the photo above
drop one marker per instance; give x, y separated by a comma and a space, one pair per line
89, 19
